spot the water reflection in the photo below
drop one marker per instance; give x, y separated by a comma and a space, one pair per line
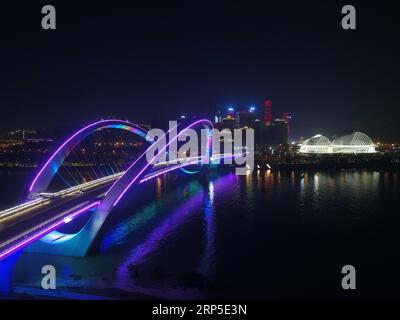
196, 197
228, 233
206, 264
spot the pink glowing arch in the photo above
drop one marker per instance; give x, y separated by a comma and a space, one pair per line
138, 169
49, 169
79, 244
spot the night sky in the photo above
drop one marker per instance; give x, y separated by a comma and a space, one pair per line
159, 60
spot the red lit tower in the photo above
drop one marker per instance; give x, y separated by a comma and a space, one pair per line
267, 112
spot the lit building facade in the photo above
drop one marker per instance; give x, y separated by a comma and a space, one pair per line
356, 142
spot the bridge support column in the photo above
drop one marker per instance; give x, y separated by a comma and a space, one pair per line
75, 245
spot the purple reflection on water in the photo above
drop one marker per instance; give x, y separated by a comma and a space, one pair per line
177, 219
205, 266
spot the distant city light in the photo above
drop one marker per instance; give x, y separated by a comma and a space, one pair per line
231, 109
183, 117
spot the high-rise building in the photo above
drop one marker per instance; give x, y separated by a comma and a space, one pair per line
280, 131
237, 119
247, 117
218, 117
228, 122
274, 134
288, 119
267, 112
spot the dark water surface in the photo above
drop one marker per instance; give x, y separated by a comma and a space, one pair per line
282, 234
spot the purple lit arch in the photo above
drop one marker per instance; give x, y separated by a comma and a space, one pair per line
49, 169
80, 243
138, 169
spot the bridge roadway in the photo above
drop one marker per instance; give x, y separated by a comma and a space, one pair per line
45, 212
27, 219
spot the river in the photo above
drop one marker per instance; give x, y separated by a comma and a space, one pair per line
269, 235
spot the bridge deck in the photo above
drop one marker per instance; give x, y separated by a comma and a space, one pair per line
27, 222
31, 220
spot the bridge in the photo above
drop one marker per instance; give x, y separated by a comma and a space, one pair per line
34, 225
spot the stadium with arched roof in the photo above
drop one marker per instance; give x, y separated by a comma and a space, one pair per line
316, 144
356, 142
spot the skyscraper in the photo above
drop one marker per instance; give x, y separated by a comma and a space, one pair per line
288, 118
267, 112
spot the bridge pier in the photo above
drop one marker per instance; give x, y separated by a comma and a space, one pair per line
6, 275
74, 245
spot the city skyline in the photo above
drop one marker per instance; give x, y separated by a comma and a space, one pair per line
145, 60
199, 158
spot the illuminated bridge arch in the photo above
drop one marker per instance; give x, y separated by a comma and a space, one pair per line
79, 244
140, 167
49, 169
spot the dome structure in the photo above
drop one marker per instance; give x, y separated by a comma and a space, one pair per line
316, 144
353, 139
317, 140
356, 142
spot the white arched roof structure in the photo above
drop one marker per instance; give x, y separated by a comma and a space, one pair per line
356, 142
353, 139
316, 144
